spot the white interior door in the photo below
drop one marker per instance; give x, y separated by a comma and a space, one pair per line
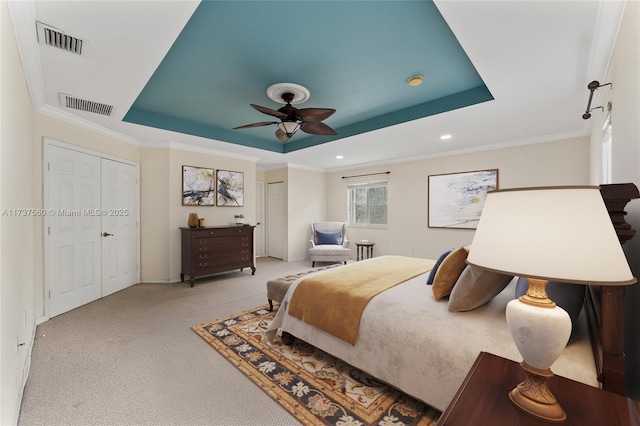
73, 249
259, 234
276, 220
91, 235
119, 226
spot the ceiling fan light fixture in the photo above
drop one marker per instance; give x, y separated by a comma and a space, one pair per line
289, 127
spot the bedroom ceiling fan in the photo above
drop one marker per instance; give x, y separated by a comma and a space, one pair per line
309, 120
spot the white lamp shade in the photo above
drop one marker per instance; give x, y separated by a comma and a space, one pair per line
560, 234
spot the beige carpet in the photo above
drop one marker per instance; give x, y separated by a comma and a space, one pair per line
132, 359
317, 388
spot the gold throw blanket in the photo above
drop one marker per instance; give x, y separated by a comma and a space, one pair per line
334, 301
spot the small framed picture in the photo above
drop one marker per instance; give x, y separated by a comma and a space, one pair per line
198, 186
230, 190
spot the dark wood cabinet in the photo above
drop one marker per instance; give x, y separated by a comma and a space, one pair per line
483, 399
210, 250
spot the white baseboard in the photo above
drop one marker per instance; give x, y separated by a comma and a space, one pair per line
159, 281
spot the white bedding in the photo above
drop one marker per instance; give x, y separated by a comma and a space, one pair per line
415, 344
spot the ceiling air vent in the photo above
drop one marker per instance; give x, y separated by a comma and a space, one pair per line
68, 101
54, 37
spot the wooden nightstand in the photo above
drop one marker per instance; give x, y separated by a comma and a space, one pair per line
483, 399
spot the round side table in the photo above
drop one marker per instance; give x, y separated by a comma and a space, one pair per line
364, 249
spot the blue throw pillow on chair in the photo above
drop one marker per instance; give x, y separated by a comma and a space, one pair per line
327, 238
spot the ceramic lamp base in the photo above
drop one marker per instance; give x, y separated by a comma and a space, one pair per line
540, 330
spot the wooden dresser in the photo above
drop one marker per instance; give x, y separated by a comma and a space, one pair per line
210, 250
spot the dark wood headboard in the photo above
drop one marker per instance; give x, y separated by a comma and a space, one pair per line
605, 305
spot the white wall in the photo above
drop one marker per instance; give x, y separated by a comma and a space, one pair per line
564, 162
307, 203
275, 176
17, 249
155, 202
624, 94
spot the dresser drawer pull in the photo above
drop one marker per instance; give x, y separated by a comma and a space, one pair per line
245, 238
203, 256
203, 248
211, 232
245, 245
203, 264
202, 241
245, 251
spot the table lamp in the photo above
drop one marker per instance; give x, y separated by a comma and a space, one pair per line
561, 234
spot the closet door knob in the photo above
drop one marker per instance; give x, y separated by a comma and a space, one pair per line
106, 234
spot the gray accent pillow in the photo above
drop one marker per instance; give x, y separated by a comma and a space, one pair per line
475, 287
569, 297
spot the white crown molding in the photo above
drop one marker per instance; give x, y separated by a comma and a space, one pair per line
86, 124
471, 150
199, 149
302, 167
23, 17
610, 14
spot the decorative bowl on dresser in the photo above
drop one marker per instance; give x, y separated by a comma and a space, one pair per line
211, 250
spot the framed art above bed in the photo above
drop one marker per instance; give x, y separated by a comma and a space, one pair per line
455, 200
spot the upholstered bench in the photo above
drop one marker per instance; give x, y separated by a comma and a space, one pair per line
277, 287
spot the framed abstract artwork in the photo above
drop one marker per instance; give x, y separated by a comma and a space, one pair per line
455, 200
198, 186
230, 190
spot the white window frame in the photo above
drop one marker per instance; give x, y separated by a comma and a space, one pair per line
350, 204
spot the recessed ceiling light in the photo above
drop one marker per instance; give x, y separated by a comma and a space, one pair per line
339, 157
445, 137
415, 80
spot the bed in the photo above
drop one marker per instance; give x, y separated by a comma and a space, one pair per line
411, 341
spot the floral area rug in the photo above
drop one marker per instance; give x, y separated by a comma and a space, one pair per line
315, 387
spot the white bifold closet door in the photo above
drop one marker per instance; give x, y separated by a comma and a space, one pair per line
91, 228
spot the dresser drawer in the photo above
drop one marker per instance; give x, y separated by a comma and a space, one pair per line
207, 254
223, 262
234, 241
223, 232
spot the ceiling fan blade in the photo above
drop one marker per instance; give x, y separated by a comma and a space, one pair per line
282, 136
262, 123
317, 128
269, 111
315, 114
